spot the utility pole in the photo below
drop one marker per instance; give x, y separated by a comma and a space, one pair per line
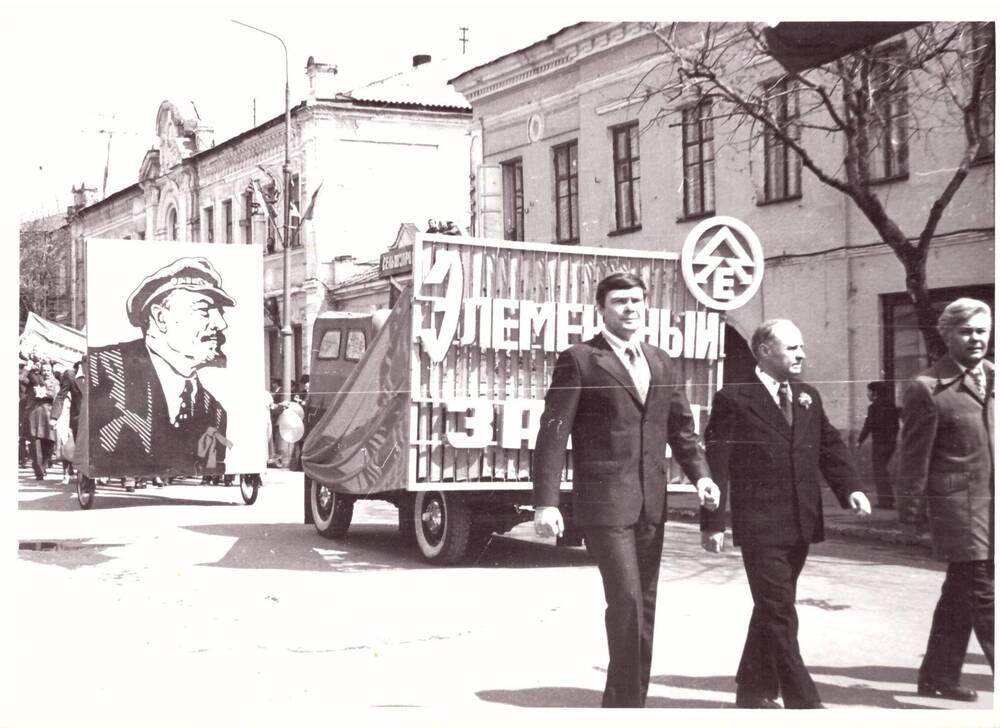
463, 39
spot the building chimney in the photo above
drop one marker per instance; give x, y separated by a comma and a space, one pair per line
322, 80
84, 196
421, 59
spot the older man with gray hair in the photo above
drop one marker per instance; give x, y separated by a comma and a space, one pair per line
946, 467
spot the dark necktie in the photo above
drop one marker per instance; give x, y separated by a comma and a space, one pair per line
978, 382
785, 402
187, 406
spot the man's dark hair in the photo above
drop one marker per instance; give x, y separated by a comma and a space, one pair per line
616, 282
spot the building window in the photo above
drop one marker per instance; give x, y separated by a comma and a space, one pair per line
982, 35
567, 193
625, 152
172, 223
513, 200
227, 221
209, 224
699, 160
904, 351
247, 222
782, 166
887, 128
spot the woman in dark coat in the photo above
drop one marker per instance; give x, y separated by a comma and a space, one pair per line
42, 388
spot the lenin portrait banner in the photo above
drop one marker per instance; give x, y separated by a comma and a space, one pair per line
174, 370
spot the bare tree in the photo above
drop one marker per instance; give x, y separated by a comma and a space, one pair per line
936, 79
43, 253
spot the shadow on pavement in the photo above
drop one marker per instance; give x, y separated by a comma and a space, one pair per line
902, 675
367, 547
563, 697
63, 497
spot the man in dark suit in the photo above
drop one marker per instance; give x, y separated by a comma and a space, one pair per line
768, 443
946, 469
149, 414
619, 399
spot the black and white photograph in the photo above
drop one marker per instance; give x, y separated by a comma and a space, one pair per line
477, 364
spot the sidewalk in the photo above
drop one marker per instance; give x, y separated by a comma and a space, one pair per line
882, 526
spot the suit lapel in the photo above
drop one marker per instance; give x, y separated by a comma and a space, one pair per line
657, 373
607, 360
764, 408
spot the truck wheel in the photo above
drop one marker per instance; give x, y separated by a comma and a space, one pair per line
331, 511
443, 524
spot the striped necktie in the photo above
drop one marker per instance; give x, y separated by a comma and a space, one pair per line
785, 402
187, 406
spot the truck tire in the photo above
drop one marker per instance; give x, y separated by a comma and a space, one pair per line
331, 511
442, 523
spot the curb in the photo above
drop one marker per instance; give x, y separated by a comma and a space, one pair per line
867, 534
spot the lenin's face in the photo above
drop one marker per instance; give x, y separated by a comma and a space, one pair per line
191, 324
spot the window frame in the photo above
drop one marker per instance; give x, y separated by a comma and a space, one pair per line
780, 91
512, 184
208, 212
247, 222
321, 352
227, 221
572, 194
886, 120
704, 162
626, 175
351, 335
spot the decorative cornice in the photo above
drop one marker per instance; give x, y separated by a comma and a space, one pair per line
546, 57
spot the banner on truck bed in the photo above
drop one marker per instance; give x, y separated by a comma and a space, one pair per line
174, 369
489, 319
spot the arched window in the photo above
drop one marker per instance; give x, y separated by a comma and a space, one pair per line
172, 223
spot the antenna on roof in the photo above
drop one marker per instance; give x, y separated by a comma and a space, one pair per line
463, 39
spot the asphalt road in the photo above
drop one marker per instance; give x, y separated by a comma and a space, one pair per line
182, 606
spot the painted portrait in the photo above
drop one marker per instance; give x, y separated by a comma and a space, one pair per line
174, 359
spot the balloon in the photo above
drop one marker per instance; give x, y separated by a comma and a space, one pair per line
297, 409
290, 426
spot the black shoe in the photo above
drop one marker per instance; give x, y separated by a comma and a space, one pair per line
746, 701
948, 692
813, 705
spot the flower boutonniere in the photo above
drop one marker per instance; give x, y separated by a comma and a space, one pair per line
805, 401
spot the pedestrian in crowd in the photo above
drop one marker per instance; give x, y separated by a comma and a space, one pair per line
66, 418
41, 391
882, 423
23, 441
947, 470
623, 402
768, 442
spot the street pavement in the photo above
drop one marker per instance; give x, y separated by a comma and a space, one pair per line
182, 606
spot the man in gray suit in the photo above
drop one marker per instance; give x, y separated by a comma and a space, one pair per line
946, 469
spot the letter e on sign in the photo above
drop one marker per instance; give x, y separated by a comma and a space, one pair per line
722, 262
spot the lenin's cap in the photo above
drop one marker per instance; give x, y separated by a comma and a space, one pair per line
191, 274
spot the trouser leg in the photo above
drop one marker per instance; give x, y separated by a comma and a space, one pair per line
951, 628
38, 457
772, 573
629, 561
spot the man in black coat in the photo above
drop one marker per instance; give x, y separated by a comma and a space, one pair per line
622, 403
768, 444
149, 413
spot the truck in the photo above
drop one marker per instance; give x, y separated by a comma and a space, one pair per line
434, 406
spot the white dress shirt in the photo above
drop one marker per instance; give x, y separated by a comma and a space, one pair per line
772, 384
639, 371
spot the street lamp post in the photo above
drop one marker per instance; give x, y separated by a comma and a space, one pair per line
286, 170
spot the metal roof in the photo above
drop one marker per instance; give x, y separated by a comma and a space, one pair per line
425, 85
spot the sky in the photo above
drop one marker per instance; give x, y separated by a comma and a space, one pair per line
91, 78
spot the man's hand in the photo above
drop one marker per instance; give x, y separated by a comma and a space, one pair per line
714, 543
548, 521
708, 493
859, 503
